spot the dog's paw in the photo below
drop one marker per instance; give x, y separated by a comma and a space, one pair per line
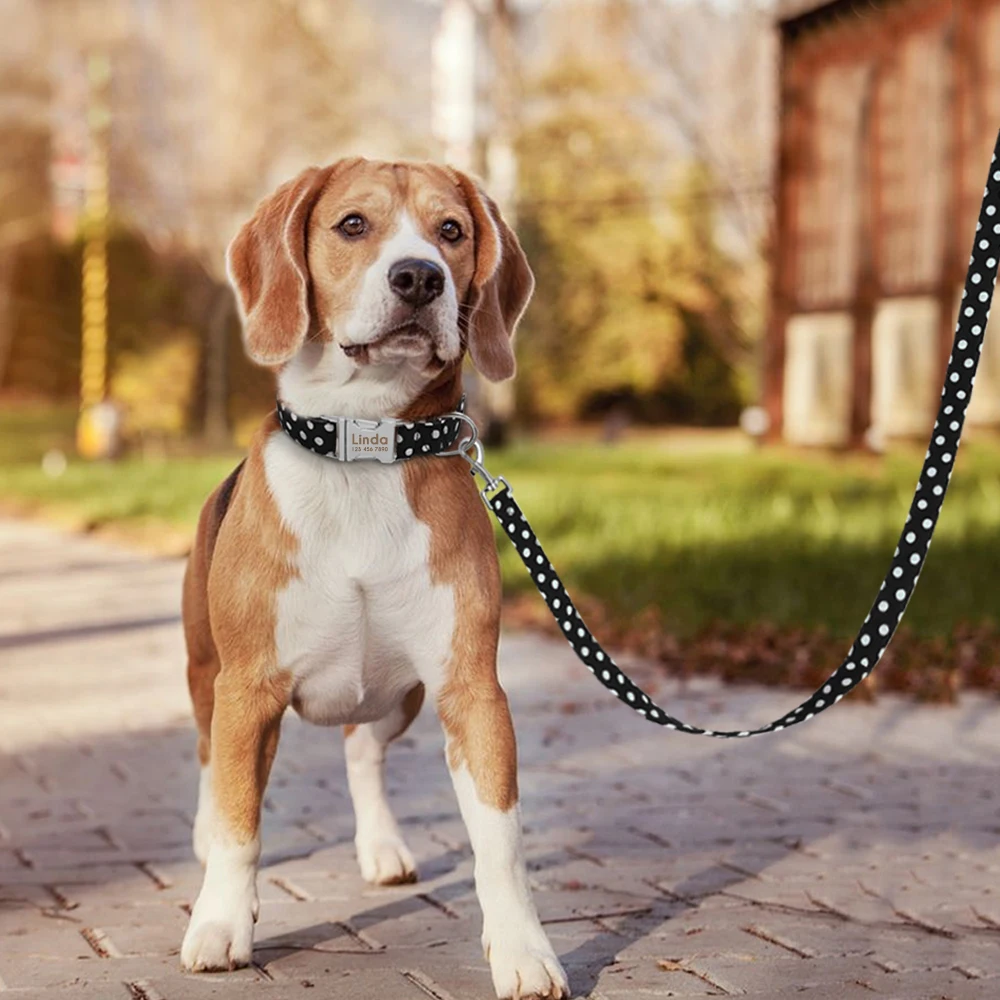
218, 945
523, 970
386, 861
220, 934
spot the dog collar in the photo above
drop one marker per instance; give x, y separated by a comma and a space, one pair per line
352, 439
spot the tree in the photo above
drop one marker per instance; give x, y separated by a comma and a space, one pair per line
212, 104
24, 189
269, 87
632, 285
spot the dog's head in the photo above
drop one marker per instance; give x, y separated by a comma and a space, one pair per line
396, 265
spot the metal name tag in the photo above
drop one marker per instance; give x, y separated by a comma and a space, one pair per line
366, 439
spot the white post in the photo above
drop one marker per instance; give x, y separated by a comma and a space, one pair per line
453, 83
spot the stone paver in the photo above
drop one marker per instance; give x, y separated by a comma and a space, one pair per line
857, 857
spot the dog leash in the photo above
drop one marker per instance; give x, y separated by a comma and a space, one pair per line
349, 439
908, 559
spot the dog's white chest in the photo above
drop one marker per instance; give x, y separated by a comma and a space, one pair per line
362, 621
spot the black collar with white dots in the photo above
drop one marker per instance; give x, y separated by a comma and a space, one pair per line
352, 439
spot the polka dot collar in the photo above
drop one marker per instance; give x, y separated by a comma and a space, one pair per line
351, 439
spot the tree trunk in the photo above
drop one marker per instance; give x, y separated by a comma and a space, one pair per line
216, 428
7, 318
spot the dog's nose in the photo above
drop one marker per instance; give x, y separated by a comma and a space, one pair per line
416, 281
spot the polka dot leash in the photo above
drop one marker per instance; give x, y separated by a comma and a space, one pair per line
907, 561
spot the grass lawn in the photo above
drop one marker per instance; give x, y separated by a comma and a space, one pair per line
791, 539
706, 538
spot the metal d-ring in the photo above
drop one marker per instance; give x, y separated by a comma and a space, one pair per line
461, 447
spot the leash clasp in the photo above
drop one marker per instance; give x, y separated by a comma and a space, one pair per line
471, 449
478, 469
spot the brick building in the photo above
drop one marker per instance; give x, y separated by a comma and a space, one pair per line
888, 110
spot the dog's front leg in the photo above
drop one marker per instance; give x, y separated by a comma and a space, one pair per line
245, 724
482, 758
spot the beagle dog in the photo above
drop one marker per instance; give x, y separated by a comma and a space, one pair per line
351, 590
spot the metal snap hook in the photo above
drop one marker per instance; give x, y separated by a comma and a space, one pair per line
473, 445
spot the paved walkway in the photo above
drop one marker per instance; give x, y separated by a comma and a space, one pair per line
850, 858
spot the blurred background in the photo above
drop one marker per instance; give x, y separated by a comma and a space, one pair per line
749, 222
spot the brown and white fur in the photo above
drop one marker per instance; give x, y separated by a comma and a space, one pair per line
349, 590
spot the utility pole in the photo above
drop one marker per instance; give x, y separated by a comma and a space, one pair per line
501, 172
458, 126
453, 83
98, 424
501, 160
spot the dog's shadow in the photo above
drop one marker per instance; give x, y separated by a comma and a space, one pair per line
584, 963
617, 929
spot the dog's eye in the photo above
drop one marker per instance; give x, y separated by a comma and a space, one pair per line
451, 231
353, 225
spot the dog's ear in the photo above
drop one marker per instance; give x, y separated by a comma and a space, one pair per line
501, 286
266, 263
